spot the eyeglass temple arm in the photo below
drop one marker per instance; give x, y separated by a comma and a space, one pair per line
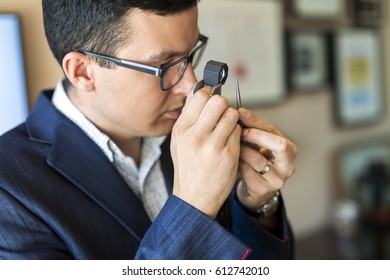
128, 64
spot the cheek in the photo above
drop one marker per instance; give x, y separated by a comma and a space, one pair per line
141, 102
132, 100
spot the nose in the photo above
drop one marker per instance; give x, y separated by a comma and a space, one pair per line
186, 83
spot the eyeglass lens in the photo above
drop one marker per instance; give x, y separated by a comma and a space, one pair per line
175, 73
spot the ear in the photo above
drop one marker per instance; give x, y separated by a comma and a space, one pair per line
79, 70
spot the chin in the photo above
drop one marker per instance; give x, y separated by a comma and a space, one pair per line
162, 129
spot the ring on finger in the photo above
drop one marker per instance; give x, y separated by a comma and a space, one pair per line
266, 168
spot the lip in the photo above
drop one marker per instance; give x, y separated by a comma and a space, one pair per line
175, 113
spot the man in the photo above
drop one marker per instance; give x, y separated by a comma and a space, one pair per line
95, 172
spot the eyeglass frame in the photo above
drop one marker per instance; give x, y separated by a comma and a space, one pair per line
158, 71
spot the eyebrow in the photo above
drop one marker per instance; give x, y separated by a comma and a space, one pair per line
164, 56
168, 55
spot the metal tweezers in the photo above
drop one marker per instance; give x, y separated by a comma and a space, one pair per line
238, 100
238, 95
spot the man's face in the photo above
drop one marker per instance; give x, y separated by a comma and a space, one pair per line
130, 103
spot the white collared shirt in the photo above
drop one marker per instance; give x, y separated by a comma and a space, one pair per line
147, 181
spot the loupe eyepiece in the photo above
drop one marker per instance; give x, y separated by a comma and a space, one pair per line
215, 73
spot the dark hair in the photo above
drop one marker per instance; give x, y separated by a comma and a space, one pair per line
96, 25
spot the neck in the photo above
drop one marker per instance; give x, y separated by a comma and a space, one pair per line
131, 148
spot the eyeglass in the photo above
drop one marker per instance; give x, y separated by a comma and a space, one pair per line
171, 74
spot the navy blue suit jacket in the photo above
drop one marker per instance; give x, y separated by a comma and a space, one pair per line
61, 198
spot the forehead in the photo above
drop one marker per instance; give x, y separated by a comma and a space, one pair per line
149, 32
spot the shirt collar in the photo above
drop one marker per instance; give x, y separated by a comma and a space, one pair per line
62, 102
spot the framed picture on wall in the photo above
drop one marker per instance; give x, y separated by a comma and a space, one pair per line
248, 36
319, 9
307, 57
355, 161
368, 13
358, 77
362, 196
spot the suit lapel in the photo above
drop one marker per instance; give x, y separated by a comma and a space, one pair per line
81, 161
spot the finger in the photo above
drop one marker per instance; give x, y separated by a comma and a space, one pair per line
267, 153
193, 107
251, 120
283, 152
252, 157
233, 141
259, 185
225, 126
201, 89
212, 112
278, 145
252, 178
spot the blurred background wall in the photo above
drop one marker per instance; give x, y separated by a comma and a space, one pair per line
42, 71
306, 118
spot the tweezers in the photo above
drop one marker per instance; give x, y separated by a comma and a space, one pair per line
238, 100
238, 94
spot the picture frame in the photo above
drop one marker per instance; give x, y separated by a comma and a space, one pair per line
368, 13
358, 77
354, 160
307, 58
361, 206
319, 9
248, 36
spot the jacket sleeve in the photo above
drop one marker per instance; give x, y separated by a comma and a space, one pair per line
264, 245
183, 232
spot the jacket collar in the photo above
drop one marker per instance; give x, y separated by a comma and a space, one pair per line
81, 161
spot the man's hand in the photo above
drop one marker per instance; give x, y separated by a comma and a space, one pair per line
205, 149
262, 144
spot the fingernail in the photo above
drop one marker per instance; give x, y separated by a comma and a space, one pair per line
245, 113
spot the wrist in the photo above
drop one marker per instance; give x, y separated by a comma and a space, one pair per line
265, 211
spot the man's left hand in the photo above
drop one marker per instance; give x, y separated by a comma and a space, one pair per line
266, 160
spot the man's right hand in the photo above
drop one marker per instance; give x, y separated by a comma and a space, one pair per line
205, 149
